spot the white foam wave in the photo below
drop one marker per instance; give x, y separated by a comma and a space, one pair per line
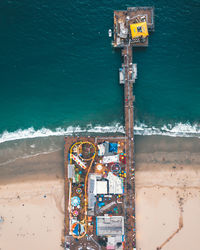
45, 132
178, 130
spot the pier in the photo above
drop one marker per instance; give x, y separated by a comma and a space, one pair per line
100, 208
125, 38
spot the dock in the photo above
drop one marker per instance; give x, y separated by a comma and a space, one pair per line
100, 208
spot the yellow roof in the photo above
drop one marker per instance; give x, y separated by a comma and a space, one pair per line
139, 29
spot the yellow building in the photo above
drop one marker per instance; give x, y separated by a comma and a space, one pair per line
139, 29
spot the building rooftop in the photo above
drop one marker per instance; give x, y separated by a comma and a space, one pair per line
102, 187
71, 171
139, 29
115, 184
109, 225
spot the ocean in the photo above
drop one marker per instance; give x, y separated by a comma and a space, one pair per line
59, 72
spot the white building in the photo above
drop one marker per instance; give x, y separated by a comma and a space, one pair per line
115, 184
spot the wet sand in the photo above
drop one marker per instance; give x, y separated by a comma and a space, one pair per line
167, 192
47, 166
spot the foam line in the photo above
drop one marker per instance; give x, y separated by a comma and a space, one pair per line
45, 132
177, 130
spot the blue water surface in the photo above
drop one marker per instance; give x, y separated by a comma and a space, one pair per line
58, 68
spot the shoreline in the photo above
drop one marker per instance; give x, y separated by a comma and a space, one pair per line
177, 130
150, 151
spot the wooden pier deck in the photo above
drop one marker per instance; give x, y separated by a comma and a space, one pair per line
122, 21
129, 145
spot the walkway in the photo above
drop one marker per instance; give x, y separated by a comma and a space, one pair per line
130, 169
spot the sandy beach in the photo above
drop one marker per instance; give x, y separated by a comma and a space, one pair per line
167, 197
166, 201
168, 193
32, 203
32, 214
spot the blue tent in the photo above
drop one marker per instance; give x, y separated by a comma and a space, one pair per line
76, 230
113, 147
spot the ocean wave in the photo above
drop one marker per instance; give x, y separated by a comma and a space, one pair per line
45, 132
177, 130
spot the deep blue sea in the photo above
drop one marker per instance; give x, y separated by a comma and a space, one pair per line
59, 72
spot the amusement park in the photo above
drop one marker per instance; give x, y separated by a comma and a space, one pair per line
95, 184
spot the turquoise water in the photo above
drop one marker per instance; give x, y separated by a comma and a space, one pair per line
58, 69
